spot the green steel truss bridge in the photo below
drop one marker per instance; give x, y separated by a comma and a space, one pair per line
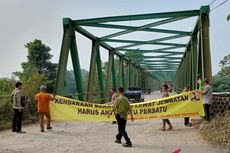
167, 55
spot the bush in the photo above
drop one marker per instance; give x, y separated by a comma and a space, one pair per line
5, 113
218, 131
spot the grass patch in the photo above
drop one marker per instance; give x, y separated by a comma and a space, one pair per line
218, 130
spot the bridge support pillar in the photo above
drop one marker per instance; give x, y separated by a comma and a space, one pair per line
205, 43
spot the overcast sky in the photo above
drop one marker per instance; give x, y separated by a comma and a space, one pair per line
25, 20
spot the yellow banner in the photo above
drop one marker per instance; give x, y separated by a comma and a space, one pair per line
182, 105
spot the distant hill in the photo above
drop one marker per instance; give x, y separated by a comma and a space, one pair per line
70, 86
84, 73
4, 79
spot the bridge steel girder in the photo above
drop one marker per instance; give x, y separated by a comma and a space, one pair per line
119, 80
196, 58
189, 13
76, 67
164, 21
152, 41
114, 73
162, 50
123, 73
68, 43
92, 71
199, 56
135, 28
144, 42
109, 73
100, 76
205, 43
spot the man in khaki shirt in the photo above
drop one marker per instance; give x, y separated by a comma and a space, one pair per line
122, 108
18, 107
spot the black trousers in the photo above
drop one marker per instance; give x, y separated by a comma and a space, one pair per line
186, 120
207, 111
17, 120
121, 128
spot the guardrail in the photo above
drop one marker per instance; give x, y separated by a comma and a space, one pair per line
221, 102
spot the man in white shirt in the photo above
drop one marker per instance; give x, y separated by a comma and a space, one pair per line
207, 99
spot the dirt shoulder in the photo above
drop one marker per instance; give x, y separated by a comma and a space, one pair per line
98, 137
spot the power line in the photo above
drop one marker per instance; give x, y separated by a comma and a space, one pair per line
211, 2
219, 5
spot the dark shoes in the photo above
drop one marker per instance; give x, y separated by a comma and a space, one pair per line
49, 128
118, 141
21, 132
127, 144
188, 125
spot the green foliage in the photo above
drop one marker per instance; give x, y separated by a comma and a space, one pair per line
5, 112
70, 85
225, 67
31, 88
39, 58
6, 86
221, 82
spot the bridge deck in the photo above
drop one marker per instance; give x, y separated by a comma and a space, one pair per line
98, 137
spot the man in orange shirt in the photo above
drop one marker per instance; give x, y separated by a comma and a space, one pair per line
43, 100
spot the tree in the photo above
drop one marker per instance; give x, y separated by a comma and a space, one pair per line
39, 58
6, 86
221, 82
225, 67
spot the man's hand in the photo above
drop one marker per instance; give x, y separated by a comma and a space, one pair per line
109, 114
20, 109
132, 119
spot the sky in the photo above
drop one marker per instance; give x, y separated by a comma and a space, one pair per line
23, 21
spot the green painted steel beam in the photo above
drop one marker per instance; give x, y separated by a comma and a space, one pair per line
119, 80
123, 75
66, 40
164, 64
164, 21
113, 26
114, 73
160, 68
102, 44
76, 67
165, 55
205, 42
151, 41
92, 71
149, 57
109, 70
162, 50
100, 75
157, 61
141, 42
188, 13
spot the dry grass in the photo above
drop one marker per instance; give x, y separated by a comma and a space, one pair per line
217, 131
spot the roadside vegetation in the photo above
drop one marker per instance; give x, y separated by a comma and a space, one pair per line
218, 131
